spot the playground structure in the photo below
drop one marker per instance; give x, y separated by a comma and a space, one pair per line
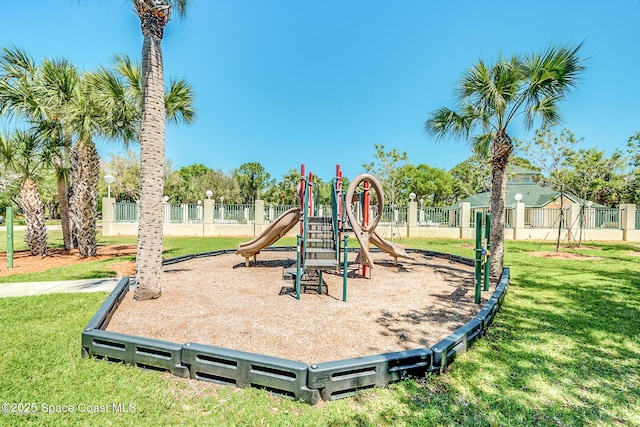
322, 245
323, 240
281, 375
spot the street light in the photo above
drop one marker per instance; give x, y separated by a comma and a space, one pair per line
209, 193
165, 198
110, 180
221, 199
518, 197
412, 196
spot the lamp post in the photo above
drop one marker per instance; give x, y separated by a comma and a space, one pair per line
518, 197
209, 193
110, 180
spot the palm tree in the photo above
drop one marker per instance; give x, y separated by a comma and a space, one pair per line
57, 81
39, 95
490, 98
154, 16
23, 153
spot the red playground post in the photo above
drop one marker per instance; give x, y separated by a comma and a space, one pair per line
365, 218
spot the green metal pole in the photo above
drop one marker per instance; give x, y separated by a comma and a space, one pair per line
344, 269
298, 268
487, 262
478, 262
9, 219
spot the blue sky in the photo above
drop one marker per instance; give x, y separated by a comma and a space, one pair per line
285, 82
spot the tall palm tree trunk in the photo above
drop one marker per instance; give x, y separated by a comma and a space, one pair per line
85, 168
63, 197
149, 256
65, 221
33, 210
501, 150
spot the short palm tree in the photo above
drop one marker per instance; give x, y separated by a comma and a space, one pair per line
24, 154
490, 97
154, 16
39, 94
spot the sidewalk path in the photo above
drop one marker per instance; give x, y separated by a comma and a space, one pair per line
38, 288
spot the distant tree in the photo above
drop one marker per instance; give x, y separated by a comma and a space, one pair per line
126, 167
433, 185
252, 179
190, 184
489, 97
632, 189
388, 169
549, 152
283, 192
591, 175
471, 176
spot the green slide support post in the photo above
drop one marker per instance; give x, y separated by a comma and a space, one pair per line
9, 215
487, 254
298, 268
344, 268
478, 260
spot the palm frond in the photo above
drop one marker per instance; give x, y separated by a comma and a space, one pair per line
129, 69
445, 122
481, 144
178, 101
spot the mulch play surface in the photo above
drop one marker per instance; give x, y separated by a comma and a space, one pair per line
218, 301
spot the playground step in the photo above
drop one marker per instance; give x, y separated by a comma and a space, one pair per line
317, 240
320, 253
320, 233
321, 264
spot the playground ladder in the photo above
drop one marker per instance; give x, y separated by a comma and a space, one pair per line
321, 248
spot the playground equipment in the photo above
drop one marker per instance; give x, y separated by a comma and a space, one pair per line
268, 237
322, 239
483, 254
365, 231
328, 380
9, 215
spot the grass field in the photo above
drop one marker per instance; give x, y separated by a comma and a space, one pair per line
564, 351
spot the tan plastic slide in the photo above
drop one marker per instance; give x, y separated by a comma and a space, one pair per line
268, 237
391, 248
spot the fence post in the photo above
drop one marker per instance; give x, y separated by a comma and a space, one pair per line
465, 220
572, 220
9, 224
628, 220
518, 221
108, 211
258, 222
207, 218
412, 218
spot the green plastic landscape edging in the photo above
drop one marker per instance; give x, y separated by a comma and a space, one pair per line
282, 377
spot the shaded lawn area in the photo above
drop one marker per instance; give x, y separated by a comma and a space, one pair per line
565, 350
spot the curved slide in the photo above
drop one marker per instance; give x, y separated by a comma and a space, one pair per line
391, 248
268, 237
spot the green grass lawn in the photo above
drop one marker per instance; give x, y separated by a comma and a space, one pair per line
564, 351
